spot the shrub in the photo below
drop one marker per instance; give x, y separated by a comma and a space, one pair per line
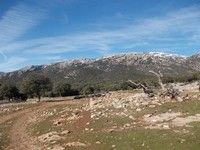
11, 93
87, 90
36, 84
62, 89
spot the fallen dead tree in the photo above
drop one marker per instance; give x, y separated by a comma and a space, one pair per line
159, 75
164, 92
147, 90
171, 92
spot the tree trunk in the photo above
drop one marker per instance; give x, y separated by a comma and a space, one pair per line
159, 76
39, 98
60, 94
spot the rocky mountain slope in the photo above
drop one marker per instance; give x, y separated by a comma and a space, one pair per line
111, 69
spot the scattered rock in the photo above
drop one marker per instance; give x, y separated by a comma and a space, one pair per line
57, 147
73, 117
183, 121
152, 106
111, 130
147, 115
66, 132
161, 117
98, 142
113, 146
138, 109
127, 125
182, 141
63, 116
131, 117
49, 137
57, 123
76, 144
166, 126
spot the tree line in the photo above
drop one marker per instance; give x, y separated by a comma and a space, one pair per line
37, 86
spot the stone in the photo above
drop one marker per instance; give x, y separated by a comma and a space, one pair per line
152, 106
98, 142
147, 115
113, 146
93, 115
111, 130
127, 125
166, 126
49, 137
56, 147
66, 132
131, 117
182, 141
179, 99
63, 116
76, 144
57, 123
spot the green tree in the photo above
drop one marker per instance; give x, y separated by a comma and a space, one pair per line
36, 85
63, 88
87, 90
9, 92
127, 86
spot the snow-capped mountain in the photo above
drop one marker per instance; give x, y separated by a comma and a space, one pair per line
111, 69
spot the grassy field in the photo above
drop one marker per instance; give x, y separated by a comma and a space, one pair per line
4, 134
68, 125
96, 134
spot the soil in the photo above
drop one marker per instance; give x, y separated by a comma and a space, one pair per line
19, 138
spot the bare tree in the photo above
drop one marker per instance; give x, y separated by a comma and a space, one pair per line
198, 85
145, 88
159, 75
170, 91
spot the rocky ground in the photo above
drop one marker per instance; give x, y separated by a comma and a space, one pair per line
118, 120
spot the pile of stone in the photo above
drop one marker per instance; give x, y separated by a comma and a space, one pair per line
119, 100
50, 137
75, 144
169, 120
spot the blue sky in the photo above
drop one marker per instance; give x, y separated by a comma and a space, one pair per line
46, 31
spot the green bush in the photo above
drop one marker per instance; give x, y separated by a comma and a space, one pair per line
11, 93
87, 90
36, 85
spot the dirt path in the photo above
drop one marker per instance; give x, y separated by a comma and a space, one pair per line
8, 117
19, 138
81, 123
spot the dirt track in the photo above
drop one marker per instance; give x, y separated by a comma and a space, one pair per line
19, 138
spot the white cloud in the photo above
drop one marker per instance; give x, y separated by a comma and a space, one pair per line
12, 63
18, 20
181, 26
175, 29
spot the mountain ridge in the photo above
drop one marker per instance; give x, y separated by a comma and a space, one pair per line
111, 69
86, 60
